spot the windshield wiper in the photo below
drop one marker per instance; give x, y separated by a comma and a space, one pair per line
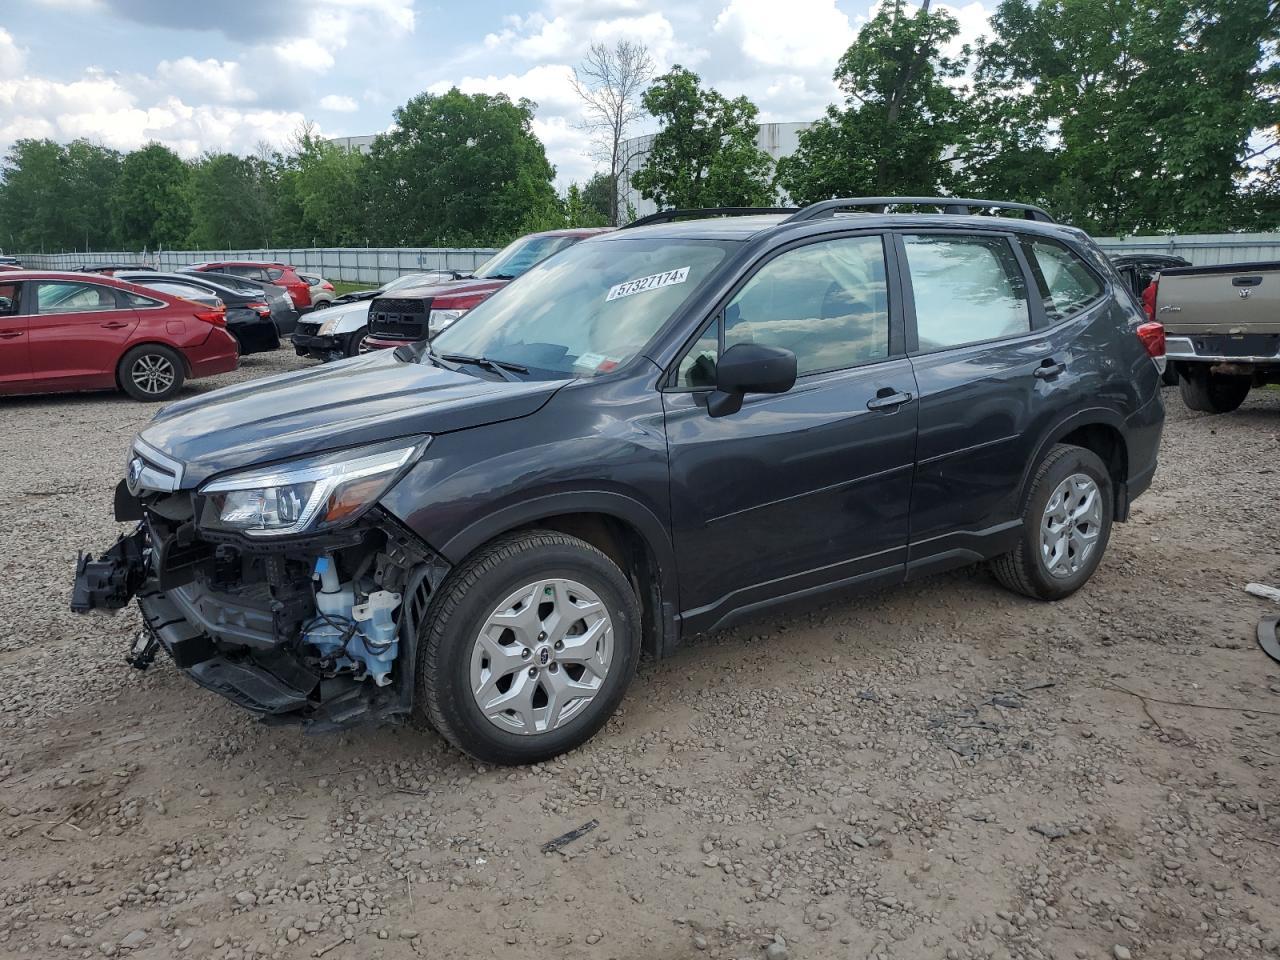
503, 368
497, 276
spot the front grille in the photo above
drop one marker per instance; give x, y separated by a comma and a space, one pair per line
150, 470
401, 318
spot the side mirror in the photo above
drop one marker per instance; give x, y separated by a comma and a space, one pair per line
750, 368
6, 306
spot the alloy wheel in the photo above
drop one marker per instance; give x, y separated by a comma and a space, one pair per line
541, 656
1070, 525
152, 373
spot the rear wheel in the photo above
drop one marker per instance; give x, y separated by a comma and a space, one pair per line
528, 648
1065, 526
1170, 375
1214, 392
151, 372
355, 339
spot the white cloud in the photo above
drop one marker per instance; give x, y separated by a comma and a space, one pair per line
100, 108
223, 81
550, 86
795, 33
12, 57
339, 104
306, 53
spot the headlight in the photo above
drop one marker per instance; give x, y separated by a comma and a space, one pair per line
314, 493
438, 320
326, 328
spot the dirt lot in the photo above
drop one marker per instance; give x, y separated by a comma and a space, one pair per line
943, 770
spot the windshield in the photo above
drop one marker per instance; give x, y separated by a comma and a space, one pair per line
588, 310
517, 257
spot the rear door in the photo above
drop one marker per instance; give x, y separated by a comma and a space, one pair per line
993, 371
15, 348
807, 488
78, 333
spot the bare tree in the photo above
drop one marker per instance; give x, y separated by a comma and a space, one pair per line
610, 81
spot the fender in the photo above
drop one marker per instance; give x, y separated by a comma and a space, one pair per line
1059, 429
651, 529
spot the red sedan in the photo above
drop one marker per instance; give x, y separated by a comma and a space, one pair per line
75, 331
281, 274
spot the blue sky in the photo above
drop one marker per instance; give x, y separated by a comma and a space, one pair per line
233, 74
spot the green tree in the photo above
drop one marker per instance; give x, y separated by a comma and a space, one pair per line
228, 205
331, 189
460, 169
578, 212
599, 195
152, 199
91, 174
32, 179
706, 153
1152, 106
903, 116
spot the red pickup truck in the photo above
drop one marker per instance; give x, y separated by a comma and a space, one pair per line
419, 313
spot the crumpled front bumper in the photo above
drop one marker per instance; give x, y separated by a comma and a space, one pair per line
319, 347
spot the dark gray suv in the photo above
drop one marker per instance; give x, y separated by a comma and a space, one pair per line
647, 436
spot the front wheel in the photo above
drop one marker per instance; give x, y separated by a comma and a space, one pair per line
1065, 526
528, 648
151, 372
355, 340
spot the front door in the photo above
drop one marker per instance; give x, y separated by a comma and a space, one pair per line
78, 333
804, 489
15, 351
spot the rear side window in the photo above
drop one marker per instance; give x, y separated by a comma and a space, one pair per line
139, 301
1065, 284
274, 274
967, 289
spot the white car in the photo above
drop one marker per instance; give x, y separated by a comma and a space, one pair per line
322, 292
337, 331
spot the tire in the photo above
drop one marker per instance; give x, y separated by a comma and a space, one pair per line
354, 339
1214, 392
151, 372
1170, 376
452, 655
1026, 569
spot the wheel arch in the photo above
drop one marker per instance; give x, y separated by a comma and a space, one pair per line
1099, 430
626, 531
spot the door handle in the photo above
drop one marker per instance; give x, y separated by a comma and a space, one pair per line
888, 399
10, 334
115, 325
1050, 370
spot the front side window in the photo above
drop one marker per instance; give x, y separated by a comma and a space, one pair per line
588, 310
8, 299
517, 257
56, 296
827, 303
967, 289
1066, 285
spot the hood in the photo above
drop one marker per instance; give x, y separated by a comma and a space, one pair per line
349, 316
362, 400
442, 293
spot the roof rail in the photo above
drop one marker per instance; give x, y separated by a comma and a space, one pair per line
952, 205
666, 216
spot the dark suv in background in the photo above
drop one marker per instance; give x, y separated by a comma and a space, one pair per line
647, 436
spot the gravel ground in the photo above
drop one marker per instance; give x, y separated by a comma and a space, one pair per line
942, 770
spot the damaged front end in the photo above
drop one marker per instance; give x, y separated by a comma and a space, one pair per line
284, 589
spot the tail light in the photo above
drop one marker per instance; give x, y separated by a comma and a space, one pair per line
326, 285
260, 308
216, 317
1152, 336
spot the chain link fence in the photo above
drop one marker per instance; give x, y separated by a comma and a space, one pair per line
371, 265
377, 265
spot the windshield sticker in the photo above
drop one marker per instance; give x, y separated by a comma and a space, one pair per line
652, 282
589, 360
